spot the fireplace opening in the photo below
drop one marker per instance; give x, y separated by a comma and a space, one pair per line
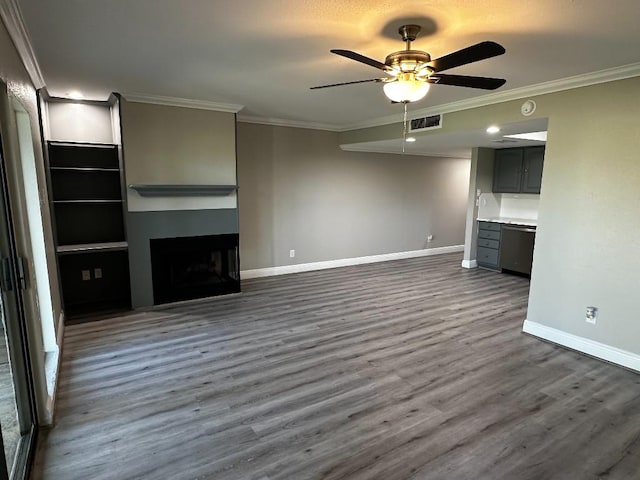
185, 268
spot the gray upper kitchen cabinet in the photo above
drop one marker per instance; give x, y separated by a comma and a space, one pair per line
518, 170
532, 175
507, 170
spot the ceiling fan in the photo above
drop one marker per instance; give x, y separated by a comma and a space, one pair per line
411, 72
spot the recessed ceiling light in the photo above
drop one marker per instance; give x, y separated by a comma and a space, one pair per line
75, 95
410, 139
493, 129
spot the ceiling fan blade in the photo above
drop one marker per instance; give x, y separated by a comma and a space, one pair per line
474, 53
347, 83
360, 58
484, 83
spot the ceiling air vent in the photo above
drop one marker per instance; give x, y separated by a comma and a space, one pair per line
425, 123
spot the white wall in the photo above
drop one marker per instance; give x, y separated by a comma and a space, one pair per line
78, 122
38, 265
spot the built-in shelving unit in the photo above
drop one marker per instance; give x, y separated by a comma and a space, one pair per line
87, 203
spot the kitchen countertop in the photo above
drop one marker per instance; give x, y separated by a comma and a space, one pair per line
512, 221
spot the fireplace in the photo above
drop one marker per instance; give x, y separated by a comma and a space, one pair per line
185, 268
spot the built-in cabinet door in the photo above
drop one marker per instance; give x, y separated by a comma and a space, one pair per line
532, 175
507, 173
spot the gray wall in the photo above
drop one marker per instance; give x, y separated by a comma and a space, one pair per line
175, 145
588, 237
481, 178
182, 146
299, 190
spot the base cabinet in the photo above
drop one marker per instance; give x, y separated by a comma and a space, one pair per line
505, 247
95, 282
488, 251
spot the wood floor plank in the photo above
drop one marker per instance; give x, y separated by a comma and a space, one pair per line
413, 369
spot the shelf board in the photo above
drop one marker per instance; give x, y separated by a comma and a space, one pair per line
92, 247
87, 201
183, 190
85, 169
57, 143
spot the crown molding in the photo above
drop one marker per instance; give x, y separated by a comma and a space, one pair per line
14, 22
182, 102
569, 83
281, 122
577, 81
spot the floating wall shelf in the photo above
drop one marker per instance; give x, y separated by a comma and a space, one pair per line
183, 190
92, 247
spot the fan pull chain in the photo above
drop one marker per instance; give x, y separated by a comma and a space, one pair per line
404, 127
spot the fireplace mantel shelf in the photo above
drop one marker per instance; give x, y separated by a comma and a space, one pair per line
148, 190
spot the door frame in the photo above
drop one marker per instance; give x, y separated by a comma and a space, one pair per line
15, 318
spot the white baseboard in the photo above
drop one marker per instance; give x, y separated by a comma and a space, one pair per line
346, 262
469, 264
584, 345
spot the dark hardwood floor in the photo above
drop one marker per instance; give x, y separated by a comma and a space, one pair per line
413, 369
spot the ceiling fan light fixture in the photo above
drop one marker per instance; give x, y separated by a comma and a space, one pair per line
408, 66
406, 90
412, 71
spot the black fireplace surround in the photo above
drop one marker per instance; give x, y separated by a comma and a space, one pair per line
185, 268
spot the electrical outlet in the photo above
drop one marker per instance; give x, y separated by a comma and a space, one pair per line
292, 253
429, 238
86, 275
591, 315
97, 273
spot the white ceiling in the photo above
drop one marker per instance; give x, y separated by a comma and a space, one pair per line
265, 54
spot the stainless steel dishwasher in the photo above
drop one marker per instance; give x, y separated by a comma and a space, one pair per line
516, 248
